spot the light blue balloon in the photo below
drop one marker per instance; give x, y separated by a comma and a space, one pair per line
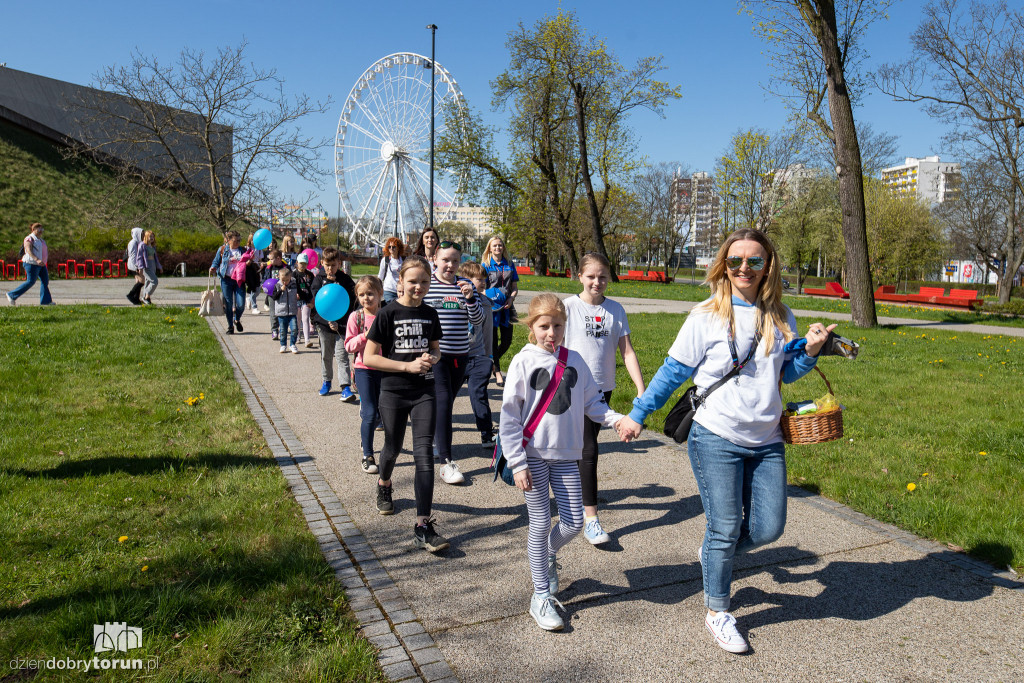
262, 239
332, 302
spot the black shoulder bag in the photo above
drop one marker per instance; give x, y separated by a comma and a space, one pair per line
680, 418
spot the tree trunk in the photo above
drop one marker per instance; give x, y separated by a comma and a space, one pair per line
851, 181
597, 229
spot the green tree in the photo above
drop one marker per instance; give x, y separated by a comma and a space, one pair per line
815, 52
753, 174
803, 225
906, 239
967, 69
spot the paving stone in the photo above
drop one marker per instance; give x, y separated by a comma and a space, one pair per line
394, 605
399, 671
352, 582
389, 594
436, 671
392, 655
376, 628
385, 641
401, 616
368, 616
418, 641
358, 593
427, 655
361, 603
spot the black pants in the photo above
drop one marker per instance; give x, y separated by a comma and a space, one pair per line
449, 373
500, 347
588, 463
136, 290
395, 411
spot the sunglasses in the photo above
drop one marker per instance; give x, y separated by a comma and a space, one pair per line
450, 245
753, 262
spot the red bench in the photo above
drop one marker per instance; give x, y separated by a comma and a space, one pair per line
832, 289
651, 276
524, 270
960, 298
888, 293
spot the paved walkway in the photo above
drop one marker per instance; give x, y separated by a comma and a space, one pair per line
839, 597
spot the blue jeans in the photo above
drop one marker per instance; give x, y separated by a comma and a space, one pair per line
234, 299
33, 273
744, 495
449, 373
478, 374
287, 324
368, 383
389, 296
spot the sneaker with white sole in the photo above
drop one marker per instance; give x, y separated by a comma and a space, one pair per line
325, 388
450, 473
284, 349
293, 349
14, 302
723, 628
425, 537
369, 465
543, 610
487, 441
346, 394
384, 504
552, 574
594, 533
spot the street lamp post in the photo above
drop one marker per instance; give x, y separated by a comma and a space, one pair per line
433, 31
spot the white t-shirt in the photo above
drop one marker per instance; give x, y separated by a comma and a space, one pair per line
746, 410
594, 333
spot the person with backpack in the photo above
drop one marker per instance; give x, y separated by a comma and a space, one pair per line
132, 264
229, 256
34, 255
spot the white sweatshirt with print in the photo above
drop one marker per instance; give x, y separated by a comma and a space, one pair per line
559, 435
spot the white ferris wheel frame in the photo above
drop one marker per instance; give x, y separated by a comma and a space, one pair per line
396, 167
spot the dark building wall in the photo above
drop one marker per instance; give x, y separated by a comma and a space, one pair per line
65, 113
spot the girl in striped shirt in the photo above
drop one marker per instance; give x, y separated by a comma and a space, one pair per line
454, 299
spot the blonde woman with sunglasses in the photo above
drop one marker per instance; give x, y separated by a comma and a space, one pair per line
735, 444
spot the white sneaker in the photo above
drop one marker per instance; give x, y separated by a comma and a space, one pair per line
283, 349
11, 300
594, 533
450, 473
723, 628
542, 609
293, 349
255, 310
265, 306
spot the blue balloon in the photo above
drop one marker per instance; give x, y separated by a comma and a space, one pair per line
331, 302
262, 239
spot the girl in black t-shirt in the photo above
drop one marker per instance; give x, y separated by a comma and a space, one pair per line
403, 343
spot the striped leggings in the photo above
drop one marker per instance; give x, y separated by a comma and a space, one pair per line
563, 478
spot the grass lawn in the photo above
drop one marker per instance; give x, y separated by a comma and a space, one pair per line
124, 503
939, 410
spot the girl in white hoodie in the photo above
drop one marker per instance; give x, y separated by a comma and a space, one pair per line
549, 459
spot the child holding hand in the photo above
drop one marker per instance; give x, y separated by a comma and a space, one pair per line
548, 460
369, 292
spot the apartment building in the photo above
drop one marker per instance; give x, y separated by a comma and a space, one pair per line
928, 178
696, 206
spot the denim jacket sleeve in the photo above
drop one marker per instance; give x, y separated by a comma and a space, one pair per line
670, 376
217, 259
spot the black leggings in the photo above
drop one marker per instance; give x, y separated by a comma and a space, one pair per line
501, 347
588, 463
395, 411
449, 373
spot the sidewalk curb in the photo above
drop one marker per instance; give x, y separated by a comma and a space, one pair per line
405, 650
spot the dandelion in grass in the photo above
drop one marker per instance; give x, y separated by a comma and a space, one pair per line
911, 486
122, 539
924, 474
982, 452
145, 567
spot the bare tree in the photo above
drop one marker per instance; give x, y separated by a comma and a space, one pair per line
202, 129
757, 168
976, 219
815, 52
658, 220
967, 69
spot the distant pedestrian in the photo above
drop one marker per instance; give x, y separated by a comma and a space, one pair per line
502, 276
252, 274
369, 292
134, 295
427, 246
149, 265
228, 256
332, 332
34, 261
390, 263
286, 308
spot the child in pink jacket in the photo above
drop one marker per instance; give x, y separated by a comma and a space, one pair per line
369, 292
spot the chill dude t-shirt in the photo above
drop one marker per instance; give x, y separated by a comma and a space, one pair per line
404, 334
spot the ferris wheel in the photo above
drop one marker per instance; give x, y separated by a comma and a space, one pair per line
382, 148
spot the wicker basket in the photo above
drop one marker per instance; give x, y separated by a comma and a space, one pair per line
813, 427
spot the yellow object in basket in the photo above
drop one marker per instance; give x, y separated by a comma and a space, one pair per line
826, 404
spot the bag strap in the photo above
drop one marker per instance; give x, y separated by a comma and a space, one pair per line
545, 398
698, 401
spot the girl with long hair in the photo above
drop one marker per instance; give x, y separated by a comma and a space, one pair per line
390, 264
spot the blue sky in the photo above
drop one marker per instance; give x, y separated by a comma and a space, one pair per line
320, 48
